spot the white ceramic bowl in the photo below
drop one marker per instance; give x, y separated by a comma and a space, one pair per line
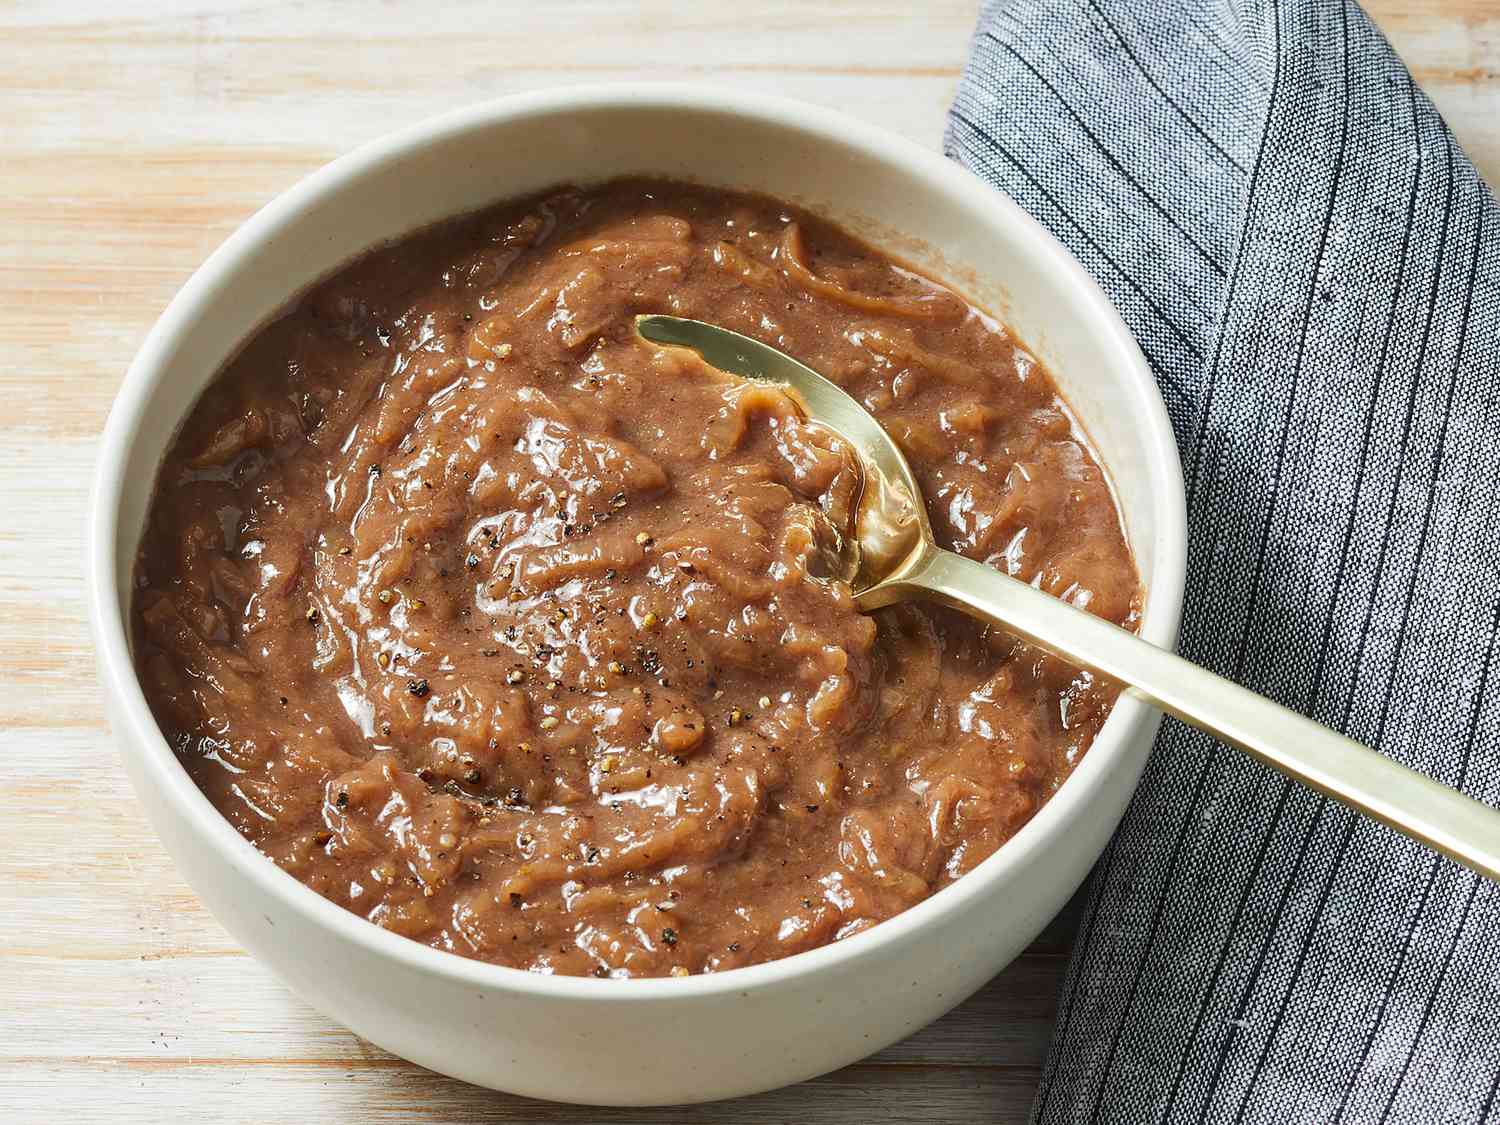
672, 1040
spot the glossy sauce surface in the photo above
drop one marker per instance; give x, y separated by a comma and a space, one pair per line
516, 634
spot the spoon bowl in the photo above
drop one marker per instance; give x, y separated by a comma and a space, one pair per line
892, 531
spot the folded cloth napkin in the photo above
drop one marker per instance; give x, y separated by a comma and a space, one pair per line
1312, 267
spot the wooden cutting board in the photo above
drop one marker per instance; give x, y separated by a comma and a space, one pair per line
134, 136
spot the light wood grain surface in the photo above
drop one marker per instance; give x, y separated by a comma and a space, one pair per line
134, 136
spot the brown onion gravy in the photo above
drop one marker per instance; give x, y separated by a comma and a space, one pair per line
512, 633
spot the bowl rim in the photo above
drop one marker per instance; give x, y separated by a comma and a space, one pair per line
136, 731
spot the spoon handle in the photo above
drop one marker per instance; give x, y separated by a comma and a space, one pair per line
1409, 802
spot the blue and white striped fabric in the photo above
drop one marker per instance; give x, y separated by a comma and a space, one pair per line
1312, 266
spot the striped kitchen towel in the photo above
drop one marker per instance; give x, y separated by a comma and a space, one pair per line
1312, 267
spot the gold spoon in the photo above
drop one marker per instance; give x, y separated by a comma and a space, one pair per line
896, 559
